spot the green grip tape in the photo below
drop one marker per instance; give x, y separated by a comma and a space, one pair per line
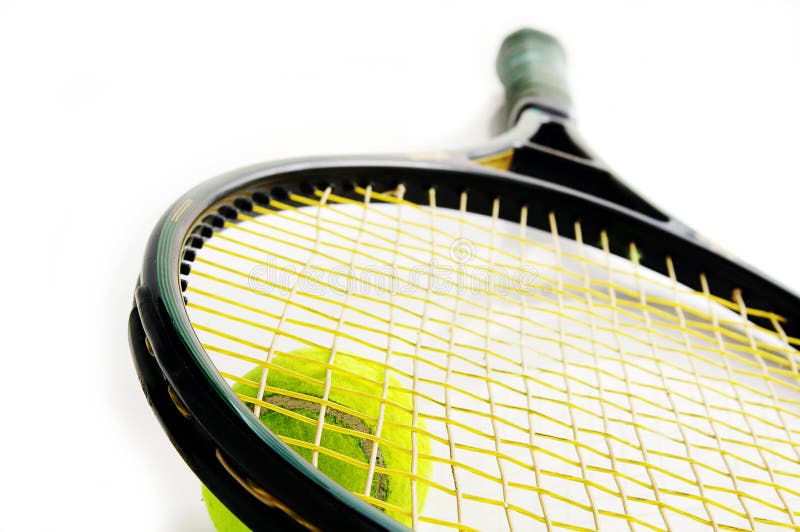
532, 65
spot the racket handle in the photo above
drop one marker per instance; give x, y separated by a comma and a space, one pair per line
532, 65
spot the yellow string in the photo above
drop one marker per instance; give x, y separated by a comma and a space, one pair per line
575, 373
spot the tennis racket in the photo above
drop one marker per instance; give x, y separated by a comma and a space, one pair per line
503, 338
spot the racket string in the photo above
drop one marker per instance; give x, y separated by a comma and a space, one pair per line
544, 326
287, 305
597, 322
565, 365
707, 410
482, 228
281, 207
488, 369
628, 311
632, 306
631, 397
415, 378
448, 401
387, 360
634, 254
461, 390
598, 379
523, 224
737, 296
194, 290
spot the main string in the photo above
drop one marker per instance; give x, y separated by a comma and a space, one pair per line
534, 352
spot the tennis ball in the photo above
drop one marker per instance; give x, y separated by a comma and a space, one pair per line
356, 386
223, 519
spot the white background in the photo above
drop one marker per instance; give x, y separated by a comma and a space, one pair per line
108, 111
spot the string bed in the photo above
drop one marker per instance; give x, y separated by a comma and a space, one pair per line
562, 387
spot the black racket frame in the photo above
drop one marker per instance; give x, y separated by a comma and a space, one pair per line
549, 172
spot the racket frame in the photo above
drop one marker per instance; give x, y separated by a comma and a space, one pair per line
213, 429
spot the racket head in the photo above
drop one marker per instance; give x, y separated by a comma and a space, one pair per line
540, 166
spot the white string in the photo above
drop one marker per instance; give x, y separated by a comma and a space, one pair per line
565, 368
600, 389
750, 429
628, 388
262, 382
634, 254
334, 345
388, 359
488, 368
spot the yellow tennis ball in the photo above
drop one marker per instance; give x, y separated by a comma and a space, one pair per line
223, 519
290, 408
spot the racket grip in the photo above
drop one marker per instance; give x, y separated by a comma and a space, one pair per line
532, 66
